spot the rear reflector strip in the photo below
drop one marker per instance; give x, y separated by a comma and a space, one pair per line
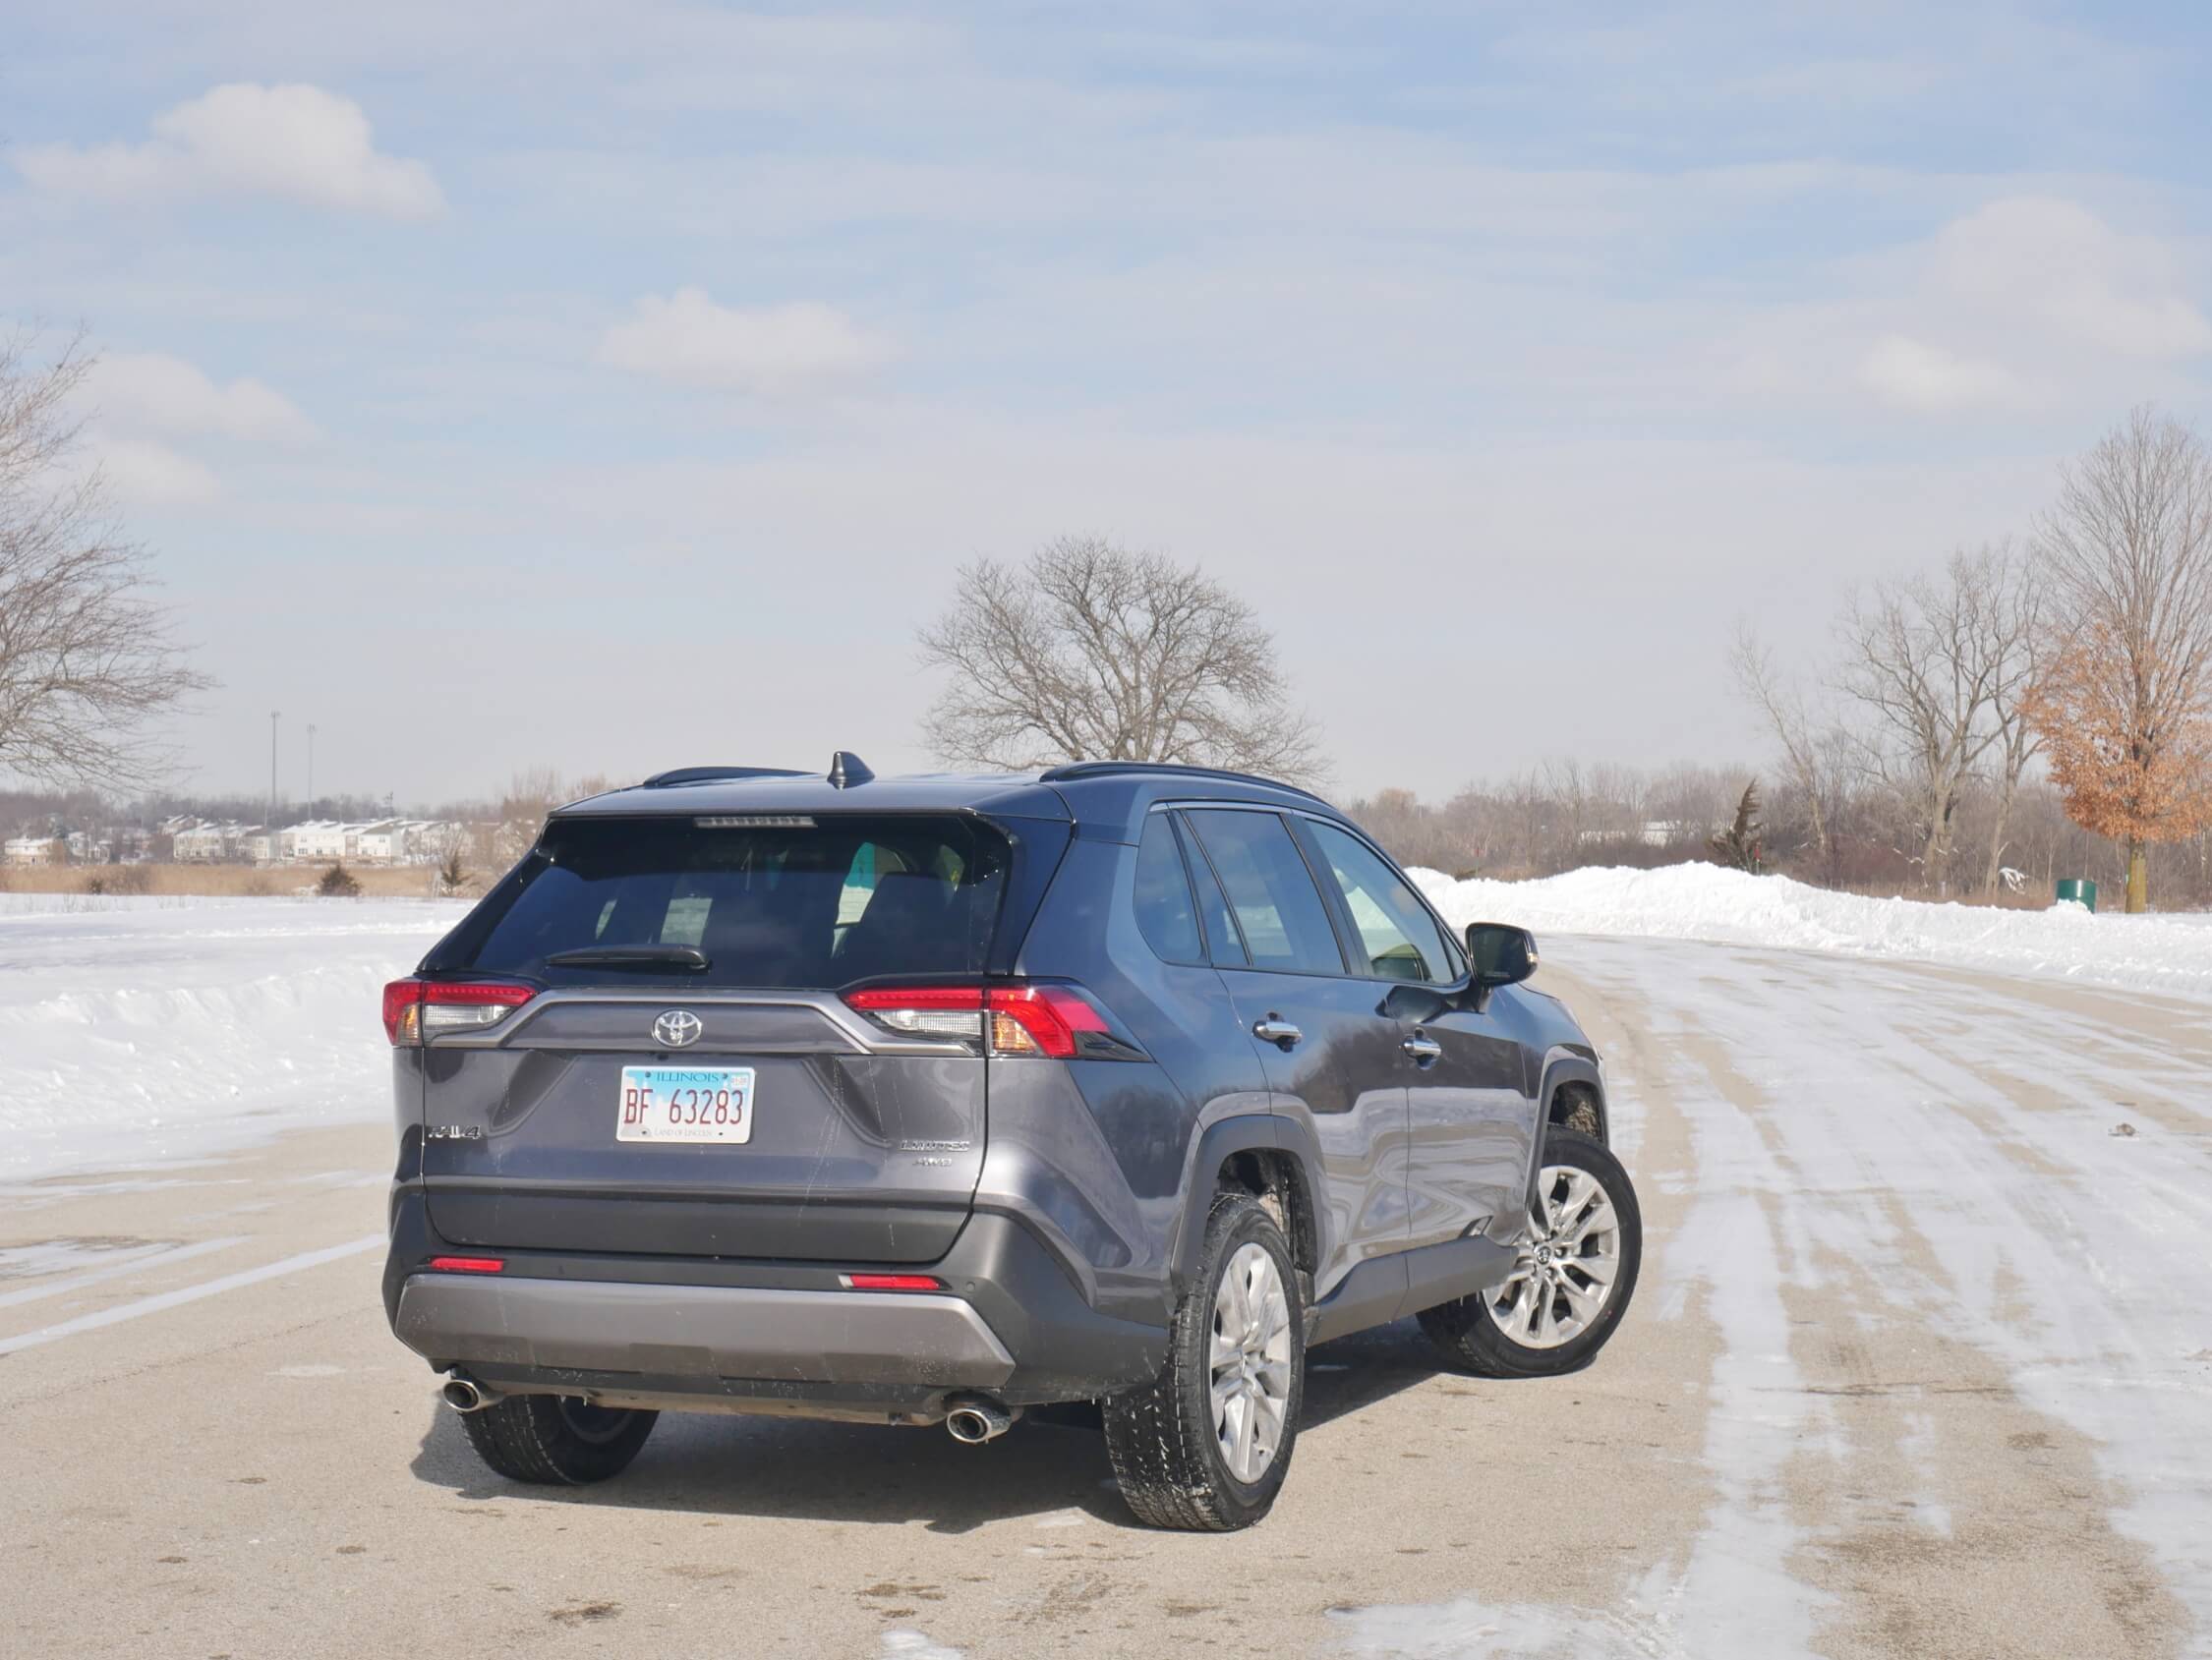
890, 1282
468, 1264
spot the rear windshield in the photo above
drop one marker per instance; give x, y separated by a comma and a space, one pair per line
777, 906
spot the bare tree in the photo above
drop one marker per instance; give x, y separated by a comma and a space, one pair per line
2125, 696
2012, 621
88, 662
1920, 657
1807, 745
1087, 652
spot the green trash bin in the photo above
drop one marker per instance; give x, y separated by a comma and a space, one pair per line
2079, 888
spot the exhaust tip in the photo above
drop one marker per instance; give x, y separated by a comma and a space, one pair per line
463, 1396
974, 1419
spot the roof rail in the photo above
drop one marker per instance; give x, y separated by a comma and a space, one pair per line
1166, 768
712, 774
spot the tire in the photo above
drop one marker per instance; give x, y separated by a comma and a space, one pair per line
553, 1439
1545, 1320
1166, 1439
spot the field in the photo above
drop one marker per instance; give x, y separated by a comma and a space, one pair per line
213, 882
1920, 1365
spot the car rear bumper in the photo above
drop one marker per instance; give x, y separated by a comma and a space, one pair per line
706, 1332
766, 1335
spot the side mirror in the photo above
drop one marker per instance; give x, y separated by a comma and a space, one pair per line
1502, 953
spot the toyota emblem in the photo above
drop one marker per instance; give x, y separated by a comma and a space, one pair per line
678, 1028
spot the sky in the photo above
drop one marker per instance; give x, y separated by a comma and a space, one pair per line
616, 387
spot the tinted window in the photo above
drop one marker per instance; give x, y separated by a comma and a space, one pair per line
779, 907
1164, 913
1279, 910
1226, 949
1399, 938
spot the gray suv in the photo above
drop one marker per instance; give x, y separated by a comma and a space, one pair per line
929, 1100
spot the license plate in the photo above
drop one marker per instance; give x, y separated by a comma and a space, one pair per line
685, 1104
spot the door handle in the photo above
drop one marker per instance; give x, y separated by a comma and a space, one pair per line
1422, 1050
1276, 1030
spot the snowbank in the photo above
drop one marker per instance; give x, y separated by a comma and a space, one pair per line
136, 1030
1706, 902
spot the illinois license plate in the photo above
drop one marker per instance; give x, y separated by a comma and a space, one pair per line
685, 1104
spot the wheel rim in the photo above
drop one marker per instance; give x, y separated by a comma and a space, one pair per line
1250, 1365
596, 1425
1564, 1274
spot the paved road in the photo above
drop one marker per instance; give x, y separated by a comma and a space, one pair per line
1921, 1366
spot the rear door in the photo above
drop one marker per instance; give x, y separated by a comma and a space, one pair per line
687, 1079
1333, 1059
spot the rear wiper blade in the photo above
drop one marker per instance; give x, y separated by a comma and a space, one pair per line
690, 958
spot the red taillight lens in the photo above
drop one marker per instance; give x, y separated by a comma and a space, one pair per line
924, 1011
469, 1264
1034, 1019
400, 999
890, 1282
1041, 1020
418, 1009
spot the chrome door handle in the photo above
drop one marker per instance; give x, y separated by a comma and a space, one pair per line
1422, 1049
1276, 1030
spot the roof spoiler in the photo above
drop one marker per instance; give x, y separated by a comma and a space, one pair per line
845, 770
710, 775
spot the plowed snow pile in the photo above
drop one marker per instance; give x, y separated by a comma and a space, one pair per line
2163, 954
138, 1030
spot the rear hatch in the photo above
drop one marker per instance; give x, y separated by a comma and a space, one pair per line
637, 1042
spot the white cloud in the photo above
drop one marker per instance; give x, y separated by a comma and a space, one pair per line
772, 350
153, 475
2025, 305
2083, 280
1913, 375
152, 393
296, 143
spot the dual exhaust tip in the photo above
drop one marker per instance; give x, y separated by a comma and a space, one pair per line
970, 1419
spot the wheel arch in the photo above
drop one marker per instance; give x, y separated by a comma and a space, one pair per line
1264, 1154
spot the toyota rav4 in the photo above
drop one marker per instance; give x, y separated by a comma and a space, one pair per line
929, 1100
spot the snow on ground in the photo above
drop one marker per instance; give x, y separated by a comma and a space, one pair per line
2154, 952
1888, 1161
144, 1030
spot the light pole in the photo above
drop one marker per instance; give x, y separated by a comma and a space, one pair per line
310, 767
274, 715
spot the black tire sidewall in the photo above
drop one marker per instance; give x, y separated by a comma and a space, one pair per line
1236, 1222
1467, 1327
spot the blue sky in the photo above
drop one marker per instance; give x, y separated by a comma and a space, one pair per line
615, 386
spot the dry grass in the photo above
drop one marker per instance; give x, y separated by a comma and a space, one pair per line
227, 882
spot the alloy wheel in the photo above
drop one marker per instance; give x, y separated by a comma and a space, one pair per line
1250, 1361
1566, 1268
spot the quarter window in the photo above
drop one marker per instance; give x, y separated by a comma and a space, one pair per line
1279, 910
1165, 915
1399, 938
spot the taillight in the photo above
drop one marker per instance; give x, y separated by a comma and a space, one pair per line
890, 1282
924, 1011
1056, 1021
1042, 1020
415, 1009
469, 1264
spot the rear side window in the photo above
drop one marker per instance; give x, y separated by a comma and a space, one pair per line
1279, 910
1397, 935
778, 907
1226, 949
1165, 915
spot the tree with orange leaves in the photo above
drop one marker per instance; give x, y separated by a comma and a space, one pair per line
2123, 698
